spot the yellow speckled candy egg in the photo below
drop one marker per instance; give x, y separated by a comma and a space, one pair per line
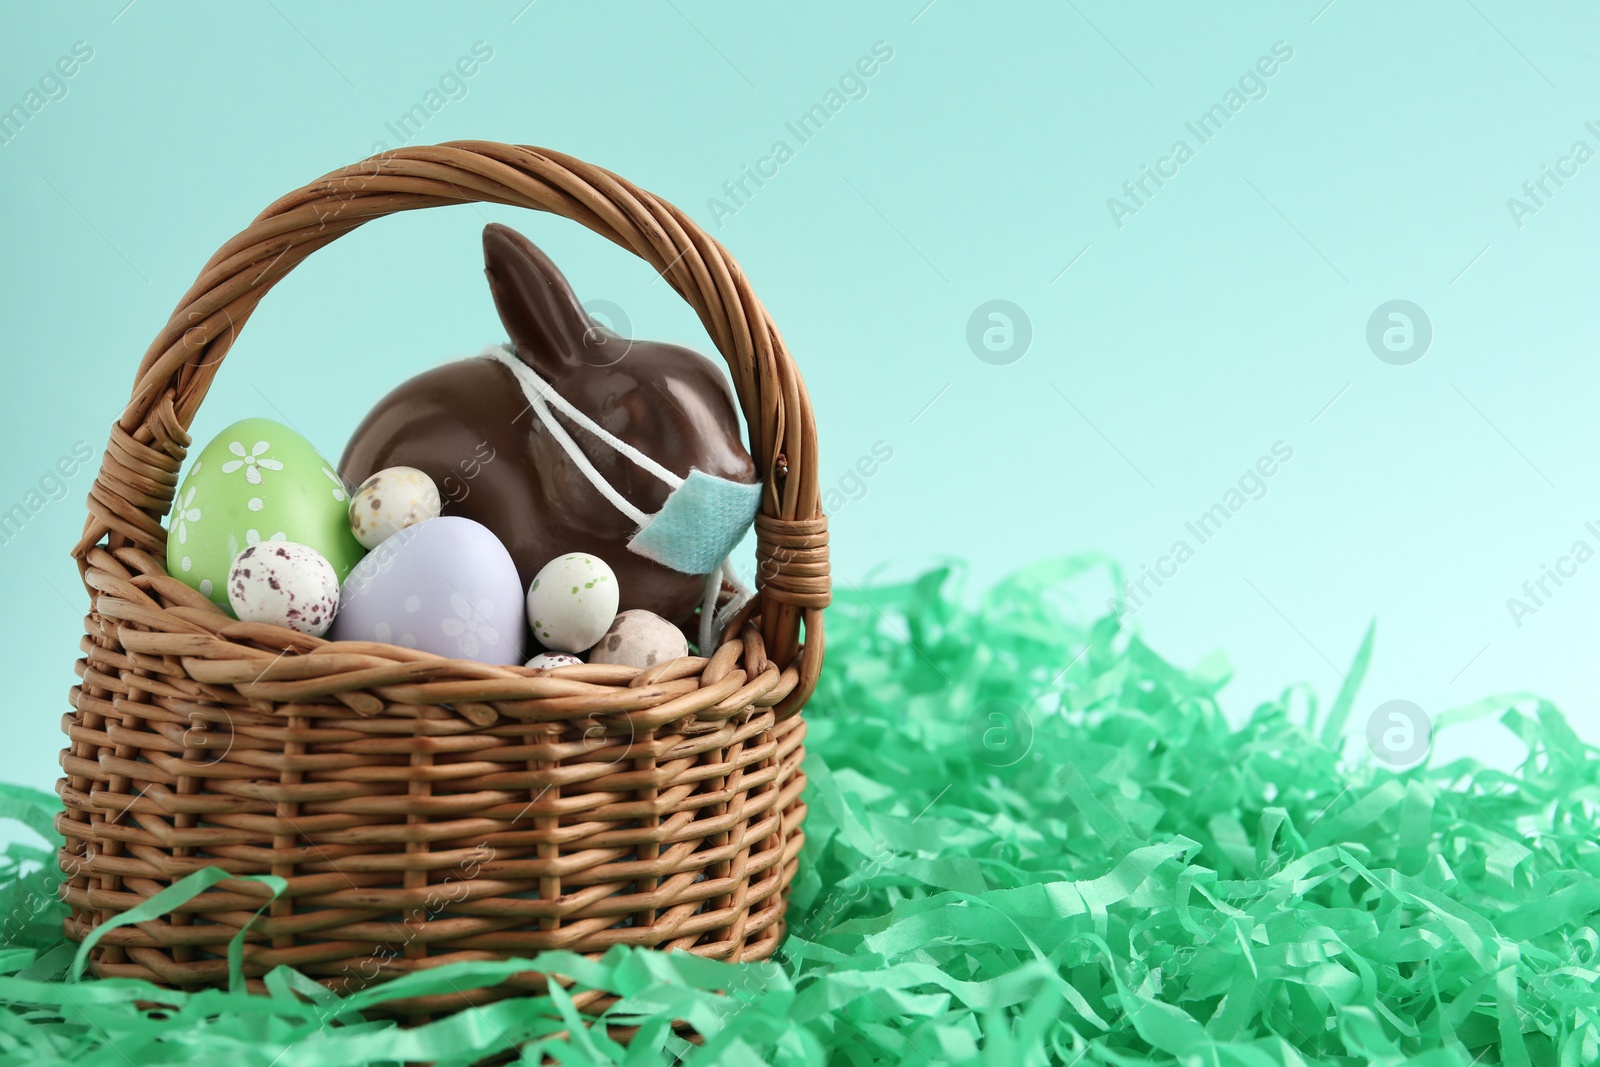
391, 500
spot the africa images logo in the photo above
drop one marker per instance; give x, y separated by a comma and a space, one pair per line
1537, 192
1252, 85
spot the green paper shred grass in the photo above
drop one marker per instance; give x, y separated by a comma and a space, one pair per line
1031, 841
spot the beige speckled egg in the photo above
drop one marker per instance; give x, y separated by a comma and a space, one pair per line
391, 500
640, 638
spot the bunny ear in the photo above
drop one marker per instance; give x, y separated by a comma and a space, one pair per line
538, 308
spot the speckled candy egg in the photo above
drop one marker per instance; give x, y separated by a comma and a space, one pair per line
257, 481
571, 602
549, 661
640, 638
285, 584
390, 501
446, 586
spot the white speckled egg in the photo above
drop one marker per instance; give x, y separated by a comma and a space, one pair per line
640, 638
285, 584
549, 661
571, 602
391, 500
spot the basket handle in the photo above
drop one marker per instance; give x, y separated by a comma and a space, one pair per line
139, 472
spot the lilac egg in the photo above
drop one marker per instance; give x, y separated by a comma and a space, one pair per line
446, 586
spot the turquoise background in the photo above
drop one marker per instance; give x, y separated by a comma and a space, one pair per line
1167, 354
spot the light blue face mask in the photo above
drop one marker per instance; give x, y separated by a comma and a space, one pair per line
703, 519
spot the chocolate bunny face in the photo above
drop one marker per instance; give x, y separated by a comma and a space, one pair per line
469, 426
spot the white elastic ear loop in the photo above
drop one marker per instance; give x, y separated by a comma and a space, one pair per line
712, 621
536, 388
574, 453
708, 611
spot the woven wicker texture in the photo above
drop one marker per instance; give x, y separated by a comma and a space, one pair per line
425, 810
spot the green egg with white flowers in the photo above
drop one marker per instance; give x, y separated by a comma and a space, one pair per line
256, 481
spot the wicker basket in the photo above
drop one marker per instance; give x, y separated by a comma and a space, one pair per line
425, 810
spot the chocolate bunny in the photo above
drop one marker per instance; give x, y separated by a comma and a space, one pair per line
470, 425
